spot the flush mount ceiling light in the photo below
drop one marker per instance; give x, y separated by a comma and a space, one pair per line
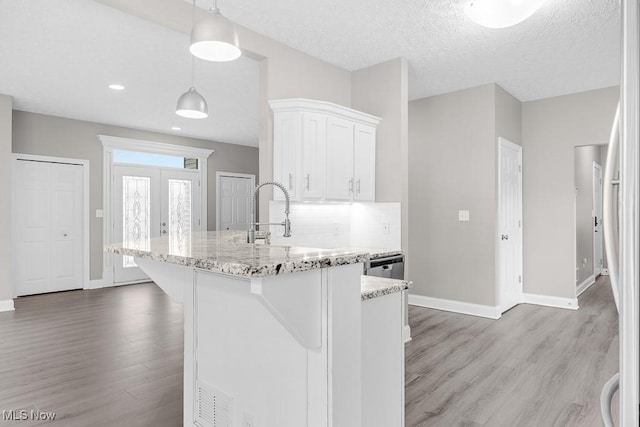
214, 38
501, 13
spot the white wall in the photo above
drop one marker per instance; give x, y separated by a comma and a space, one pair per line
551, 128
338, 225
6, 291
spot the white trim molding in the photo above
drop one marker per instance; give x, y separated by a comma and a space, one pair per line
323, 107
604, 272
585, 285
7, 305
487, 311
119, 143
551, 301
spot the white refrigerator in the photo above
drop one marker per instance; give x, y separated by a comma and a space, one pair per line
621, 225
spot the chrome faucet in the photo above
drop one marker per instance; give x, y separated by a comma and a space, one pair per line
251, 233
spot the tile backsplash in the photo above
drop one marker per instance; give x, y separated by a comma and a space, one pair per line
334, 225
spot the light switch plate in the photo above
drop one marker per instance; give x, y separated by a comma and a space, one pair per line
99, 213
463, 215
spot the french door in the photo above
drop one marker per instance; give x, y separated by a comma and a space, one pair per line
152, 202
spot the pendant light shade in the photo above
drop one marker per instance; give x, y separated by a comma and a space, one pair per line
214, 38
501, 13
192, 105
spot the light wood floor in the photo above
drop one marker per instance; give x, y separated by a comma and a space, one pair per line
113, 357
536, 366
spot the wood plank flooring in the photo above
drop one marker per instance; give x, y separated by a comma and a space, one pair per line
113, 357
536, 366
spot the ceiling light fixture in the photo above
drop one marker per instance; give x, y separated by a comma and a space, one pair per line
214, 38
501, 13
191, 104
116, 87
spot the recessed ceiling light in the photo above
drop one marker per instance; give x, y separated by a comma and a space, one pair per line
116, 87
176, 128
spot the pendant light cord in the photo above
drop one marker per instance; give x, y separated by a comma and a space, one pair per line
193, 59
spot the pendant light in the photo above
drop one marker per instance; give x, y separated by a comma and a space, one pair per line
214, 38
501, 13
191, 104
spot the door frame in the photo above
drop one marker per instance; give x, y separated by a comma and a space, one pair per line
110, 143
220, 174
499, 289
86, 249
596, 270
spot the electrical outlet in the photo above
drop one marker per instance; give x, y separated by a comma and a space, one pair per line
386, 228
248, 420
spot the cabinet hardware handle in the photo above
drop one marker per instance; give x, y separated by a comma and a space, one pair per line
351, 185
358, 186
290, 181
307, 181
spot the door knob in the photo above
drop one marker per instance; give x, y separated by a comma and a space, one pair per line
65, 234
505, 237
164, 223
164, 231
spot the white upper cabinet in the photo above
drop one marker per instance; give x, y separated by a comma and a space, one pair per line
364, 163
314, 136
286, 131
324, 151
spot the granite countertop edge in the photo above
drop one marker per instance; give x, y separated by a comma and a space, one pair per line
374, 287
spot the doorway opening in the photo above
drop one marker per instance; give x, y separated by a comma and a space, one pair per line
150, 189
590, 258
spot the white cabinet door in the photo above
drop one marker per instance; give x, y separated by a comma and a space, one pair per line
364, 166
339, 159
286, 141
48, 227
314, 135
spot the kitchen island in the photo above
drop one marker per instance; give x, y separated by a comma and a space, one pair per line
274, 334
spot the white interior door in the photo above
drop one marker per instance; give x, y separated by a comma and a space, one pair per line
48, 227
597, 220
149, 202
509, 224
234, 198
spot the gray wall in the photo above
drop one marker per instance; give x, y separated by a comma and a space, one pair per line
382, 90
6, 291
55, 136
452, 152
583, 158
551, 128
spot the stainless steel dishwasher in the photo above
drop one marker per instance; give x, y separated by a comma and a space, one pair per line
389, 266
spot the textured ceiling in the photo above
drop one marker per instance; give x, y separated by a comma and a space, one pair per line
58, 56
567, 46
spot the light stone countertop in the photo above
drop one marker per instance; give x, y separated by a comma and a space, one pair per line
373, 287
226, 252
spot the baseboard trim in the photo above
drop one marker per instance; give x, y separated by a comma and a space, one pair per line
604, 271
585, 285
7, 305
471, 309
96, 284
549, 301
406, 333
